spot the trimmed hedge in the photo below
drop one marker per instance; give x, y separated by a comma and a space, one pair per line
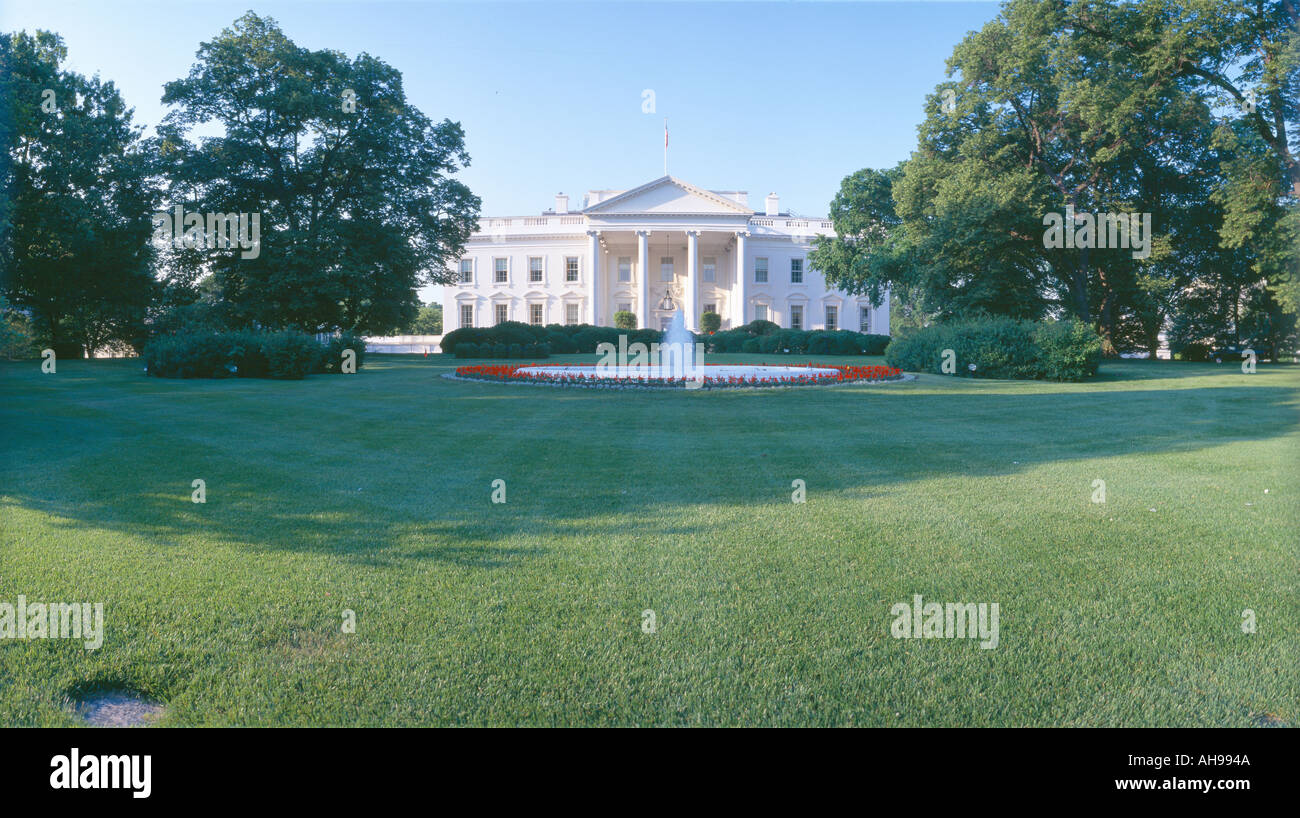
285, 355
469, 349
561, 339
1002, 348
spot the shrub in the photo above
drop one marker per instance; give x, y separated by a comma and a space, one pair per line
710, 322
1191, 352
242, 353
1071, 351
751, 345
467, 349
820, 343
517, 350
1001, 348
560, 343
192, 355
760, 327
768, 344
625, 320
500, 350
331, 357
873, 344
290, 355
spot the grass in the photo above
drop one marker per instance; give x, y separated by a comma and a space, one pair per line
372, 493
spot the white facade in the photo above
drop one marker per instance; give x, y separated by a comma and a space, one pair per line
650, 250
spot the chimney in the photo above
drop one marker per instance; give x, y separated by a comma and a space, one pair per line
561, 203
773, 205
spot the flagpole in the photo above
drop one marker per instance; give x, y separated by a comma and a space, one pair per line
665, 146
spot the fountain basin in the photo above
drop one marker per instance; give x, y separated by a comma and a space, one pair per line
713, 376
720, 372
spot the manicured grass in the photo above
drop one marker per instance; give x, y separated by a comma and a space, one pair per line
372, 493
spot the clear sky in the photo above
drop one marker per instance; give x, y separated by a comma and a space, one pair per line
784, 97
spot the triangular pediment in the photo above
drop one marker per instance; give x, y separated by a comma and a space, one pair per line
667, 196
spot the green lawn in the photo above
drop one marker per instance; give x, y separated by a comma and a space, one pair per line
372, 493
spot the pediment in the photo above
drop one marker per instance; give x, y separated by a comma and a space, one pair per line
668, 197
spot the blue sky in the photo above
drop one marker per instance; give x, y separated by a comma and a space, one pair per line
784, 97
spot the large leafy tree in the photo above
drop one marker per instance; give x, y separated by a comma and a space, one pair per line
352, 183
1104, 107
75, 214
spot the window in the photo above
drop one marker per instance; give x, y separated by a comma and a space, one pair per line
624, 269
796, 271
571, 314
832, 317
467, 271
535, 314
760, 270
467, 315
501, 270
796, 317
760, 312
535, 269
710, 307
865, 318
710, 269
625, 306
502, 312
570, 268
666, 268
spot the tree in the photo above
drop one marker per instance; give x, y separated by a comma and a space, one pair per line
352, 183
74, 228
427, 322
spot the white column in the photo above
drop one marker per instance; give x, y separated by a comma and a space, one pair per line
594, 289
692, 280
643, 273
738, 309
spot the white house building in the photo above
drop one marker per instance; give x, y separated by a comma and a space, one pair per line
650, 250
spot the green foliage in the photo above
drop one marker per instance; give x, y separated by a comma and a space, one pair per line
77, 193
710, 322
1068, 350
760, 327
428, 321
625, 320
285, 355
358, 203
331, 360
1001, 347
466, 349
290, 355
17, 339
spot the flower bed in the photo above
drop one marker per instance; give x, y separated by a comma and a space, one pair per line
822, 375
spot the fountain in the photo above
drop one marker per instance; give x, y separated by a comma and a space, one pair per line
677, 358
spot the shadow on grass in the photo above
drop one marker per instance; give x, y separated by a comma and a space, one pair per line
411, 482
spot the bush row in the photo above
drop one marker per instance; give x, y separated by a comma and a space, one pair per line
766, 336
285, 355
561, 339
1001, 348
770, 339
532, 350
